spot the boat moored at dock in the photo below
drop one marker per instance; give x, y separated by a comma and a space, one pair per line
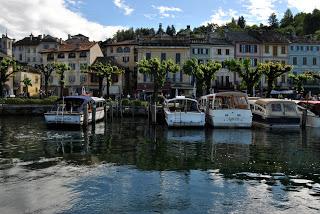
275, 113
70, 110
313, 112
181, 111
227, 109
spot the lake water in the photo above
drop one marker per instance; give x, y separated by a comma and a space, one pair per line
130, 167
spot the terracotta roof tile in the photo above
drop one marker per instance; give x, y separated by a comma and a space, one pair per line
71, 47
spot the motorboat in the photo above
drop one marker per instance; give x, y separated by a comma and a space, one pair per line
70, 110
275, 113
227, 109
181, 111
313, 111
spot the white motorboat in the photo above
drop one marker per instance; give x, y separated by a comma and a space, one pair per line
313, 112
69, 110
182, 111
227, 109
275, 113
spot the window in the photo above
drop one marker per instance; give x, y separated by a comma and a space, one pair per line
28, 50
174, 77
255, 48
28, 59
119, 50
283, 62
83, 66
194, 50
20, 56
36, 80
178, 58
181, 76
275, 50
294, 60
311, 48
291, 47
247, 49
46, 46
276, 107
72, 79
301, 48
144, 78
60, 55
72, 55
240, 48
72, 66
255, 62
283, 49
227, 52
34, 50
297, 48
304, 61
135, 58
266, 48
125, 59
148, 56
34, 59
200, 50
163, 56
314, 61
126, 50
207, 51
83, 78
83, 54
288, 107
219, 51
283, 78
94, 78
307, 48
318, 48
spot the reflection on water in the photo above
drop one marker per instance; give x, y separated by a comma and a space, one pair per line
127, 166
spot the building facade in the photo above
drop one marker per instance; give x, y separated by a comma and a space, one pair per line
6, 52
78, 53
30, 73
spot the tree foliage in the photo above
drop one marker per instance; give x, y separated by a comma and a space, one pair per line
27, 82
8, 67
60, 69
46, 71
273, 70
250, 76
158, 70
273, 21
299, 80
241, 22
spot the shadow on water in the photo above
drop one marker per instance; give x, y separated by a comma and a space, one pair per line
146, 168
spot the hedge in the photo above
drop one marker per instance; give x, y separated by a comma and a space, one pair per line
26, 101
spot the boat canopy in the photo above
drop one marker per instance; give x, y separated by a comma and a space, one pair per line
266, 101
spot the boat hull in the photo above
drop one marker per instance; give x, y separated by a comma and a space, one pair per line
313, 121
276, 122
233, 118
185, 119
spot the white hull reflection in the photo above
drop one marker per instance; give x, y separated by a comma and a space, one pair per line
230, 136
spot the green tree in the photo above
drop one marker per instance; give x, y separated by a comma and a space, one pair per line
241, 22
273, 21
203, 73
311, 22
60, 69
104, 70
7, 68
250, 76
272, 71
287, 19
26, 82
209, 70
158, 70
298, 80
46, 71
171, 30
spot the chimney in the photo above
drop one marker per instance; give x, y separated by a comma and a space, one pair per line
60, 41
69, 36
31, 36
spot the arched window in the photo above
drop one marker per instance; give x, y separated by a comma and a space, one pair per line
126, 50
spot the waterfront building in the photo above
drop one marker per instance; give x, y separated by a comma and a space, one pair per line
274, 48
30, 73
78, 53
6, 52
304, 56
165, 47
28, 50
125, 55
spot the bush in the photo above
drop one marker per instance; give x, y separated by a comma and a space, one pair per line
26, 101
126, 102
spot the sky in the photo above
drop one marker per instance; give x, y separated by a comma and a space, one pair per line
100, 19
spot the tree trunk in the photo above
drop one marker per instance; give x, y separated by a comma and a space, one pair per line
250, 89
155, 87
108, 86
61, 84
46, 80
100, 86
208, 86
269, 88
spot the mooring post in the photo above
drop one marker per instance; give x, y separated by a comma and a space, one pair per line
304, 118
85, 116
105, 111
121, 108
154, 113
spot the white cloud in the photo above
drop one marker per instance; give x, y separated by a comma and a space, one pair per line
166, 12
48, 17
304, 5
259, 11
221, 16
122, 5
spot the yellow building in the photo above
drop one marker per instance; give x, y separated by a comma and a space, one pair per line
165, 47
33, 75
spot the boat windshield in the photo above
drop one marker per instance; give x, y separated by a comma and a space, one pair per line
68, 105
230, 102
183, 105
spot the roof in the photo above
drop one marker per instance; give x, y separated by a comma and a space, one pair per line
110, 60
71, 47
126, 42
304, 40
240, 37
35, 40
268, 36
265, 101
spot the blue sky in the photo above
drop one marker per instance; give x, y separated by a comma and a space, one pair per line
100, 19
